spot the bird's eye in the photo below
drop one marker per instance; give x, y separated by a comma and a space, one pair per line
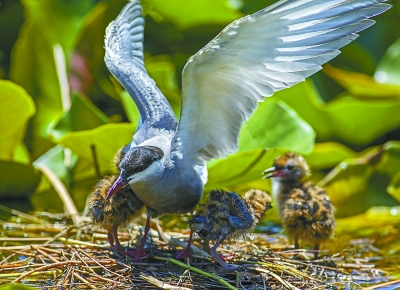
290, 167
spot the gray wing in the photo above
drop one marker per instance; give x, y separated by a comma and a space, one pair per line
254, 57
124, 59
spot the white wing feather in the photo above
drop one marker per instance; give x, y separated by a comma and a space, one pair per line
256, 56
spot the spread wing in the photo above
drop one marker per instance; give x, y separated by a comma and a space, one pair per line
124, 59
253, 57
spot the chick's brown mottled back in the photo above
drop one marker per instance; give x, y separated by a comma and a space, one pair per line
226, 215
305, 209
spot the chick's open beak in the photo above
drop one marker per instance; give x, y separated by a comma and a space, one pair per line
273, 172
118, 184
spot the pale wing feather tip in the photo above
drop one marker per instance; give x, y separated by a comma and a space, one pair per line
257, 55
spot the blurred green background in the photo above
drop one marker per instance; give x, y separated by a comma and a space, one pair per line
58, 101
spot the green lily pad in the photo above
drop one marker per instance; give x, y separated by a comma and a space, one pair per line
82, 115
16, 109
240, 168
130, 108
388, 69
328, 154
207, 12
394, 187
17, 179
357, 121
47, 23
362, 85
275, 125
106, 139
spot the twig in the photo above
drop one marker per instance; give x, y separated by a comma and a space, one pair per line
76, 242
84, 280
284, 283
382, 285
54, 260
24, 215
183, 265
60, 264
35, 273
160, 284
120, 276
63, 193
27, 240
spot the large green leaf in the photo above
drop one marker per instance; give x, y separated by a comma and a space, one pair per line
362, 85
388, 70
47, 23
15, 110
82, 115
240, 168
328, 154
358, 121
17, 179
163, 71
106, 139
394, 187
181, 12
276, 125
378, 219
365, 179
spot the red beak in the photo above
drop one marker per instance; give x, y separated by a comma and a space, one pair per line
118, 184
273, 172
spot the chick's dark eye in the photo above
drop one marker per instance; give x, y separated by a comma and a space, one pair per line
290, 167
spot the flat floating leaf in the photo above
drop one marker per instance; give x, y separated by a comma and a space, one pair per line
388, 70
107, 139
358, 121
191, 13
328, 154
82, 115
15, 110
275, 125
17, 179
240, 168
394, 187
47, 23
362, 85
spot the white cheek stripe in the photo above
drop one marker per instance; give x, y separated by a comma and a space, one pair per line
153, 169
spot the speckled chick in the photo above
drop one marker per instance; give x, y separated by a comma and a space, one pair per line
305, 209
226, 215
119, 210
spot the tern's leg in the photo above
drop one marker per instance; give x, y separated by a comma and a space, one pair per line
140, 253
187, 253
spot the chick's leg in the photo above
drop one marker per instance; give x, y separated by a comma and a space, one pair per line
218, 258
316, 251
110, 238
114, 234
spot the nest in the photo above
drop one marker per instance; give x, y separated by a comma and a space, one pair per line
45, 251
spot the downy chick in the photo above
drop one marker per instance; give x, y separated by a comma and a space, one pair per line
226, 215
120, 209
305, 209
